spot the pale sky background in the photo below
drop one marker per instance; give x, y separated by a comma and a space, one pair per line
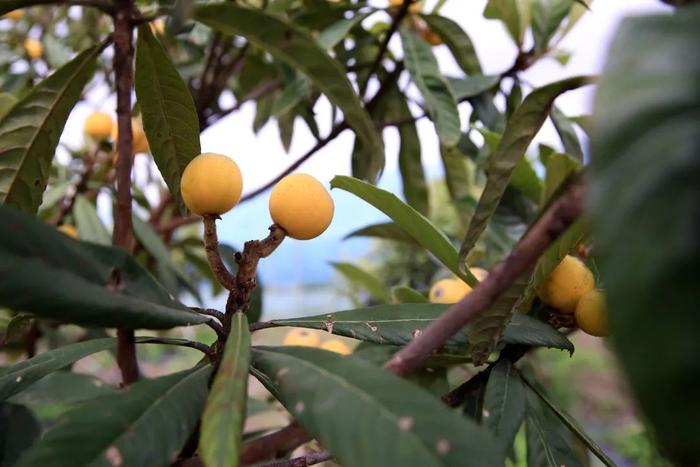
261, 156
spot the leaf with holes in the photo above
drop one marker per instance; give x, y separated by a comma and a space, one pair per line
31, 129
399, 324
146, 425
415, 224
17, 377
54, 276
504, 403
437, 95
292, 45
167, 110
457, 40
522, 127
357, 409
225, 411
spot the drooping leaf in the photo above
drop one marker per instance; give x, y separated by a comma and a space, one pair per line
225, 410
437, 95
644, 197
399, 324
386, 231
514, 14
295, 47
16, 378
152, 242
146, 425
522, 127
457, 176
472, 86
410, 220
51, 275
90, 227
364, 279
559, 168
30, 131
336, 32
567, 133
19, 428
548, 443
504, 403
6, 103
415, 187
457, 40
291, 95
403, 294
571, 424
167, 110
61, 388
382, 419
547, 15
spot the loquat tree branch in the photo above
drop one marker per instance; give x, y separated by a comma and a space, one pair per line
303, 461
273, 445
123, 232
69, 200
560, 215
211, 247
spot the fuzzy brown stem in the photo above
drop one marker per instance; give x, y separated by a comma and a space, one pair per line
211, 246
123, 233
273, 445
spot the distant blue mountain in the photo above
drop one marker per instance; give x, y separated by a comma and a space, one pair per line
298, 262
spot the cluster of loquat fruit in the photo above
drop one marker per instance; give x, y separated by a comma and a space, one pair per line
570, 289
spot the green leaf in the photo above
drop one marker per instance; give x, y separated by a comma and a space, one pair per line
547, 15
403, 294
437, 95
513, 13
571, 424
457, 177
457, 40
399, 324
90, 227
559, 168
366, 416
336, 32
225, 410
548, 444
291, 96
167, 110
567, 133
7, 101
61, 388
16, 378
504, 403
296, 48
522, 127
53, 276
385, 231
415, 187
145, 425
472, 86
364, 279
11, 5
526, 181
18, 430
152, 242
644, 195
31, 129
415, 224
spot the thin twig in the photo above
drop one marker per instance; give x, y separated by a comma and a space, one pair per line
210, 312
395, 23
123, 233
211, 246
69, 200
552, 224
273, 445
303, 461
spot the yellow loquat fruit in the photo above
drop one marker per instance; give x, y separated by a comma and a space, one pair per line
301, 205
211, 184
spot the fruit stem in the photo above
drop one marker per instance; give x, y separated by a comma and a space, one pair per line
211, 246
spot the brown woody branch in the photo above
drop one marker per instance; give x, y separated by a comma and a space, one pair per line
273, 445
553, 223
211, 246
303, 461
123, 233
245, 282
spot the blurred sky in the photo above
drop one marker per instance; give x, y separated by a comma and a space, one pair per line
261, 156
